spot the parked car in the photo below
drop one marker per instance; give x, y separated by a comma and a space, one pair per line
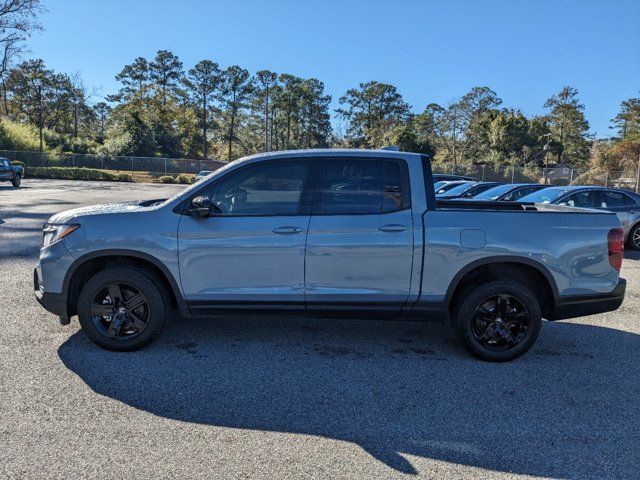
509, 192
438, 177
467, 190
444, 186
272, 234
623, 203
11, 173
203, 174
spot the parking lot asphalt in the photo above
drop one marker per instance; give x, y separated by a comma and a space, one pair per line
270, 398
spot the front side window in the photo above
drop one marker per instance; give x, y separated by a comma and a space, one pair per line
581, 199
361, 186
270, 188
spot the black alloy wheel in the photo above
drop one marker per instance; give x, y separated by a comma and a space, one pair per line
124, 307
120, 311
500, 322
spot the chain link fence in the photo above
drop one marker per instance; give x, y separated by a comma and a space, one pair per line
560, 175
152, 165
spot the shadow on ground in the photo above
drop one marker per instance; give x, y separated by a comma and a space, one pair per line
567, 409
632, 254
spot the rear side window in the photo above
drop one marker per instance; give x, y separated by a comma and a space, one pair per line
615, 199
362, 186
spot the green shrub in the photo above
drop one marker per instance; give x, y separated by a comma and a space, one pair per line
18, 164
185, 179
71, 173
18, 136
167, 179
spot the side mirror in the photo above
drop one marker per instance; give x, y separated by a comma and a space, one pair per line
202, 207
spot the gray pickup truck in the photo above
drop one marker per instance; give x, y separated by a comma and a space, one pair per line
350, 233
10, 173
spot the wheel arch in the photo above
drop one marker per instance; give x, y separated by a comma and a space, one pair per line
629, 238
83, 267
518, 268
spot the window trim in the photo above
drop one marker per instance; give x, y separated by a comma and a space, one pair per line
319, 174
306, 195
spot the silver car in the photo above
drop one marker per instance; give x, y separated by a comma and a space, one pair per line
623, 203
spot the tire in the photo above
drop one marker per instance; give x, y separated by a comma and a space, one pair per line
633, 242
126, 330
15, 181
509, 299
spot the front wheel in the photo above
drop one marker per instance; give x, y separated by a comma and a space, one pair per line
499, 320
634, 238
123, 308
15, 181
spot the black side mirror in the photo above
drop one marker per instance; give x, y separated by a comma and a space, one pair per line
202, 207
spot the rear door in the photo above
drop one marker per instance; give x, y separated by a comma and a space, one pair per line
360, 241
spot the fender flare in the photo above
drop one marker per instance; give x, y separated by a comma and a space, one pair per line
173, 283
541, 268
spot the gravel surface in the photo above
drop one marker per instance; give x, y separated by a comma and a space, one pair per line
271, 398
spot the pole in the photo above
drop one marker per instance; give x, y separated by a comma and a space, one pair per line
638, 175
513, 173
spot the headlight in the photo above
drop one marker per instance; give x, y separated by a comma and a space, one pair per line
52, 232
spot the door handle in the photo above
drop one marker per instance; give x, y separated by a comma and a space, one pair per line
286, 230
392, 228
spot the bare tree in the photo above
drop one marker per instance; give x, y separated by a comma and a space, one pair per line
18, 18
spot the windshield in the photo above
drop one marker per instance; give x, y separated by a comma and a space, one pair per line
494, 192
460, 189
547, 195
449, 186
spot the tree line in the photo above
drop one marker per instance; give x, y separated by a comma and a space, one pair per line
163, 108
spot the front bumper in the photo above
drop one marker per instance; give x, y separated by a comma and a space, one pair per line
582, 305
56, 303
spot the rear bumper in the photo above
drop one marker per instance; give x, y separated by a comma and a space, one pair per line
56, 303
582, 305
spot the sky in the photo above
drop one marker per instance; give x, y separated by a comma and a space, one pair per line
432, 51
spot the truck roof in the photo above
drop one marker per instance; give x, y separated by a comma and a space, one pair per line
333, 152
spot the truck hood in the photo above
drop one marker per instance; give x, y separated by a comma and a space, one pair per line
68, 216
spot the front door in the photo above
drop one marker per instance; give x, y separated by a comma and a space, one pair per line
251, 252
360, 240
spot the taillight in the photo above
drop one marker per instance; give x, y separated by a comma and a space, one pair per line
615, 243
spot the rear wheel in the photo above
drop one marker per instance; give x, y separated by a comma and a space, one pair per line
634, 238
123, 308
15, 181
499, 320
